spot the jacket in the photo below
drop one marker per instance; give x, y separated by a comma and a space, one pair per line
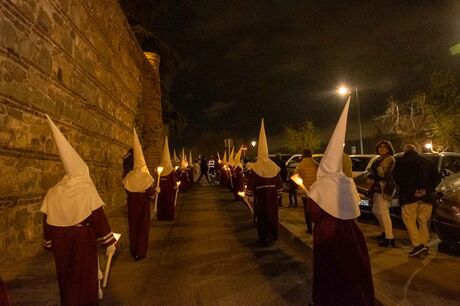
413, 172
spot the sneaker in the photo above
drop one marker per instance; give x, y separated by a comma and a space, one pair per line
417, 250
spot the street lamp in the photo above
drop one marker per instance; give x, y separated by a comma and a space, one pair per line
253, 143
343, 91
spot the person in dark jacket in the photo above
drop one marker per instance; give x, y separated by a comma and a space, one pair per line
417, 178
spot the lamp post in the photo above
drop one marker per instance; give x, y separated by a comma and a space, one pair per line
343, 90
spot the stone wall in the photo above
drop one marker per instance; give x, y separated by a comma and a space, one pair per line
79, 62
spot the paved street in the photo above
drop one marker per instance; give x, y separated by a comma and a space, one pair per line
210, 256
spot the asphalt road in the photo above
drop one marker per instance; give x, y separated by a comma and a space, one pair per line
210, 256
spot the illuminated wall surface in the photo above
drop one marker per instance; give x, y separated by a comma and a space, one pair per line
79, 62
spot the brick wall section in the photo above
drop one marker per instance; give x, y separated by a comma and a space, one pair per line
79, 62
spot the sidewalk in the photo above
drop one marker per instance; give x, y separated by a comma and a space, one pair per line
398, 279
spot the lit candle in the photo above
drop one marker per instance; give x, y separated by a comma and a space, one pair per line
177, 191
159, 170
298, 180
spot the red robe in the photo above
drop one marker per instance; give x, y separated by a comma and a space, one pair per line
139, 221
341, 267
190, 177
230, 178
75, 256
238, 182
4, 296
223, 177
182, 176
265, 192
165, 205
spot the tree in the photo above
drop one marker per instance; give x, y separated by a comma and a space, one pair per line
302, 136
427, 116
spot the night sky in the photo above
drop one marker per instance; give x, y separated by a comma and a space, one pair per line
241, 60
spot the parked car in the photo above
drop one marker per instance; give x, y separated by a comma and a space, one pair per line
296, 158
361, 162
446, 216
447, 164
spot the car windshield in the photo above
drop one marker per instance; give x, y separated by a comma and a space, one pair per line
360, 163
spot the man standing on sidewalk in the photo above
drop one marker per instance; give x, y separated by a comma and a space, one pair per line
264, 185
341, 266
417, 178
307, 169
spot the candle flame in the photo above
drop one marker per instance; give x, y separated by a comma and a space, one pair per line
159, 170
297, 179
241, 193
178, 183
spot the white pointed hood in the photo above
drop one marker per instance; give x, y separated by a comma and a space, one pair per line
183, 160
264, 166
138, 179
231, 162
190, 159
74, 197
224, 160
333, 191
175, 158
166, 159
237, 159
218, 158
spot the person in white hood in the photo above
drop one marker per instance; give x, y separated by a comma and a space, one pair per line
238, 176
74, 224
341, 266
265, 186
139, 188
165, 209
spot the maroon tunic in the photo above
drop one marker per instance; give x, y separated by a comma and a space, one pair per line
223, 177
182, 176
230, 178
265, 192
165, 205
139, 221
189, 177
238, 182
75, 256
4, 296
341, 272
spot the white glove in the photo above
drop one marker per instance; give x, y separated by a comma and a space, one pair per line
157, 189
110, 250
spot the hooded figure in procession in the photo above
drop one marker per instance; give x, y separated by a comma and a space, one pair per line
165, 208
190, 169
139, 188
223, 170
74, 224
341, 267
230, 165
238, 176
182, 174
265, 186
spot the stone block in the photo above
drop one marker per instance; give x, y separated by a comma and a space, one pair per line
23, 219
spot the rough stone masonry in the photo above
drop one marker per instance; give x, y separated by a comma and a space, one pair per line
79, 62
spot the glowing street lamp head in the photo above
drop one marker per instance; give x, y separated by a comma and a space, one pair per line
253, 143
343, 90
